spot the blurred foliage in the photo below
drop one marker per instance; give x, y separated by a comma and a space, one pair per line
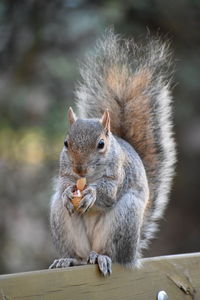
41, 45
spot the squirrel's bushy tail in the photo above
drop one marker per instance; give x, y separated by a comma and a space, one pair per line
132, 81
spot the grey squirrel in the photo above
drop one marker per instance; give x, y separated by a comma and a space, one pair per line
122, 143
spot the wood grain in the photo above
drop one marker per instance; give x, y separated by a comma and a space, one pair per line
178, 275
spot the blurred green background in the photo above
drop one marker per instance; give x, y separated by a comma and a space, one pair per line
41, 45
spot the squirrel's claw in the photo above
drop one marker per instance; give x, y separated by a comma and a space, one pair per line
64, 263
67, 196
89, 197
104, 262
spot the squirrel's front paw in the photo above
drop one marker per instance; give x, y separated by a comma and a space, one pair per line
67, 196
89, 197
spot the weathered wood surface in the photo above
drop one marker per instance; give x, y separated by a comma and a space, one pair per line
178, 275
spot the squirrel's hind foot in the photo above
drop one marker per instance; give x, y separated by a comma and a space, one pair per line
104, 262
65, 262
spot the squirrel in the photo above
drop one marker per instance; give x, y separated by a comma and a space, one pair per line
121, 141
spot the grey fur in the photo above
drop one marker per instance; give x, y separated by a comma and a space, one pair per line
115, 218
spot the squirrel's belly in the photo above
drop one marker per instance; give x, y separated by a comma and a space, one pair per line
88, 232
97, 227
77, 238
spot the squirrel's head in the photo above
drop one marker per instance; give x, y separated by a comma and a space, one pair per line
87, 143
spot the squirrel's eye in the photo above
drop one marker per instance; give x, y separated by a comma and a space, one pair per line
101, 144
66, 143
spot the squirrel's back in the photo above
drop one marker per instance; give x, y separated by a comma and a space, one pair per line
132, 81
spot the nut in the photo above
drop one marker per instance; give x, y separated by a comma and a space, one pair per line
80, 185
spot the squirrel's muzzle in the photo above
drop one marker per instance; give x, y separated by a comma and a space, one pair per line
80, 170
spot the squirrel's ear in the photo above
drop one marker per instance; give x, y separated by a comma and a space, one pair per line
71, 116
105, 120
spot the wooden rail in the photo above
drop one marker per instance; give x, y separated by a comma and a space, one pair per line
178, 276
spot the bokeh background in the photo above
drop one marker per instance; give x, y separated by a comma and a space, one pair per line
41, 45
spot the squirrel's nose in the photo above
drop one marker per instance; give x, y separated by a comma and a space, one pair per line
80, 170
